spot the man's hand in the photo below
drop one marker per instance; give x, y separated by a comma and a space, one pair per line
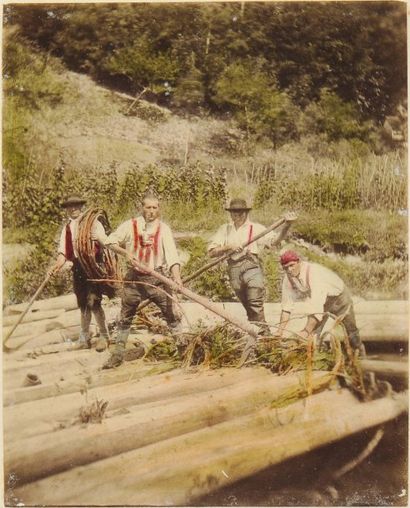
290, 216
178, 280
53, 270
304, 334
137, 264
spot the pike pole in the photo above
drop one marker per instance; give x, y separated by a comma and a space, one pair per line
6, 349
224, 257
246, 327
209, 265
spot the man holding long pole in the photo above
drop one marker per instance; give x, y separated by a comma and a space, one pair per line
149, 242
244, 267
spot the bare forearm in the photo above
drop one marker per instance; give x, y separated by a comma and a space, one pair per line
119, 250
219, 251
176, 273
284, 320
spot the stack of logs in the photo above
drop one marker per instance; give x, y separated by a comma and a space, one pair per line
166, 437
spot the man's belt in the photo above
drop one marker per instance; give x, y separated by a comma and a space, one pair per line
248, 257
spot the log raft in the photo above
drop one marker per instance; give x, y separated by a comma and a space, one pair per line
167, 436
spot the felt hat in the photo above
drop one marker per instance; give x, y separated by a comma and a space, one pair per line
238, 204
73, 201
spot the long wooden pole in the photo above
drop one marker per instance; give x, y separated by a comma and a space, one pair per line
30, 303
246, 327
224, 257
218, 260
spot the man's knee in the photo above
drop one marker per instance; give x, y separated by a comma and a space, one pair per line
256, 296
94, 301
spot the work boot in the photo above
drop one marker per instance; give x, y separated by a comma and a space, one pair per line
101, 344
175, 327
135, 353
117, 357
83, 342
115, 360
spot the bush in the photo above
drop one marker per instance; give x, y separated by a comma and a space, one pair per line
354, 232
214, 283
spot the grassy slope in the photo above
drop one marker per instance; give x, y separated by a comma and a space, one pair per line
90, 128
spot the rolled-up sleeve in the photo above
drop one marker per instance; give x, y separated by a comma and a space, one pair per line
219, 238
121, 236
169, 248
98, 233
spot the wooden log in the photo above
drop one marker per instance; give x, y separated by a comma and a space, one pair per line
64, 320
179, 470
44, 416
53, 369
65, 302
29, 342
30, 317
74, 384
34, 458
384, 368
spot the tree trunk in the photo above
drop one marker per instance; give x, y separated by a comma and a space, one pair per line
40, 456
177, 471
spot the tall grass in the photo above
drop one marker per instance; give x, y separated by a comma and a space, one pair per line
378, 182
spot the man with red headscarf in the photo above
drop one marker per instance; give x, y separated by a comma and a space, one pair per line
150, 242
321, 291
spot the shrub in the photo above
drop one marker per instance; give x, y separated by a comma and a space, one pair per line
214, 283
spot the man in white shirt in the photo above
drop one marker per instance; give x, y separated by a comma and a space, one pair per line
148, 241
244, 267
319, 290
89, 295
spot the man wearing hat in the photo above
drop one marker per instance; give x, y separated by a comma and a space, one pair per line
244, 267
320, 290
88, 295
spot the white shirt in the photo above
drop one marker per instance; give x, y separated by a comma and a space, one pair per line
144, 246
322, 282
97, 234
227, 234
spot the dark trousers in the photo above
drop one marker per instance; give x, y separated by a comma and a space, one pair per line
338, 305
246, 279
146, 287
89, 297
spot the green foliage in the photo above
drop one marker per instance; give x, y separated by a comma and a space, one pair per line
377, 182
24, 278
356, 50
143, 66
259, 107
214, 283
337, 119
354, 232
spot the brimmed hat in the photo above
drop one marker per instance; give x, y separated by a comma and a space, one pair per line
238, 204
73, 201
288, 256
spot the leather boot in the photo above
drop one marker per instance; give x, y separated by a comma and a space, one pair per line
102, 343
83, 342
117, 356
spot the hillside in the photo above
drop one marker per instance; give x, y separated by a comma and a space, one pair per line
64, 133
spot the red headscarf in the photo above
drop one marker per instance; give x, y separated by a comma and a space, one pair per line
289, 256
